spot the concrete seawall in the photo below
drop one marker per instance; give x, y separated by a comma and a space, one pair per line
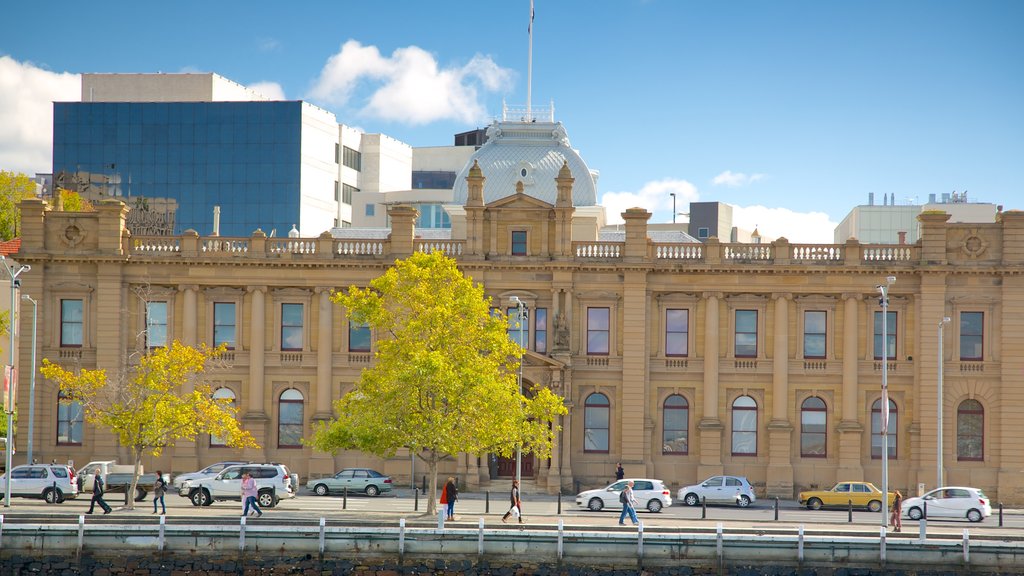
223, 548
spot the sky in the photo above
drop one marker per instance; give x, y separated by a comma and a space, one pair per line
792, 111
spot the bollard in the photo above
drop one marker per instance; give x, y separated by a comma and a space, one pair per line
577, 483
323, 535
241, 534
416, 499
441, 513
881, 544
424, 489
1000, 514
967, 546
163, 526
55, 498
849, 511
480, 539
401, 537
776, 508
703, 507
924, 513
560, 505
487, 502
561, 534
800, 543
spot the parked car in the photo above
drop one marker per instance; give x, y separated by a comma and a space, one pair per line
211, 470
949, 502
54, 483
364, 480
273, 483
719, 490
649, 493
861, 494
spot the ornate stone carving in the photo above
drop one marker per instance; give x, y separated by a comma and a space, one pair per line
973, 245
73, 235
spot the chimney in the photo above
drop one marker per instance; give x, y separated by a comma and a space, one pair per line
871, 198
931, 198
903, 237
216, 221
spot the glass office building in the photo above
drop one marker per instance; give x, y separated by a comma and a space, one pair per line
190, 156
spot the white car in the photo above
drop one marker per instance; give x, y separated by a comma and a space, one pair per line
949, 502
719, 490
650, 494
54, 483
273, 483
211, 470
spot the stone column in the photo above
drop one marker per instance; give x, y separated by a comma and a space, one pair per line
321, 462
710, 426
780, 427
1010, 428
186, 455
634, 441
255, 419
850, 428
189, 331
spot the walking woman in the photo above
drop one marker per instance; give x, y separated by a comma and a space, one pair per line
896, 516
249, 493
159, 489
517, 504
451, 493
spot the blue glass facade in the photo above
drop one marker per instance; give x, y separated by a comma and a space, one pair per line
241, 156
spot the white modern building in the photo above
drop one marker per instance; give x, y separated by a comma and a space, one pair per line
890, 223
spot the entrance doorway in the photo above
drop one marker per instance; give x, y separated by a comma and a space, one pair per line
507, 466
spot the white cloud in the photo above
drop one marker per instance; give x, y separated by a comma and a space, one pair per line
734, 179
272, 90
409, 86
27, 94
797, 227
654, 196
268, 44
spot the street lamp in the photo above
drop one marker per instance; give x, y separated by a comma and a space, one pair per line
522, 343
9, 447
938, 461
32, 380
883, 289
673, 195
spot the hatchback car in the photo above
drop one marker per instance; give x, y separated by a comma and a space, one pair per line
650, 494
719, 490
54, 483
355, 480
949, 502
273, 483
211, 470
843, 494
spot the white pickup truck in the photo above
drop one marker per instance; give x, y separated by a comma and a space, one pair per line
116, 478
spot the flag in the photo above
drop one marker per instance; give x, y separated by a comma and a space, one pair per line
529, 29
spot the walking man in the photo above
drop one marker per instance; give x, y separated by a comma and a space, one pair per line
619, 472
159, 489
97, 496
628, 504
249, 495
517, 505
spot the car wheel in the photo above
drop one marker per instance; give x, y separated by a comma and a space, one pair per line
743, 501
974, 515
199, 497
914, 513
654, 505
814, 504
874, 506
320, 489
51, 495
595, 504
691, 499
140, 494
372, 490
266, 499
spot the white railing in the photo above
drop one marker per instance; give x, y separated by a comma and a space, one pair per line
156, 244
747, 252
598, 249
816, 252
446, 247
359, 247
887, 253
224, 245
678, 251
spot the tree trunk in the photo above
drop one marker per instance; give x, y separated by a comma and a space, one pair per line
129, 492
432, 498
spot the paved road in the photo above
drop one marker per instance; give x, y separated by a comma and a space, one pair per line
539, 510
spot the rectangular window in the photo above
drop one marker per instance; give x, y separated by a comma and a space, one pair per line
346, 193
71, 323
371, 209
598, 331
519, 243
352, 158
890, 336
518, 328
972, 335
156, 324
358, 337
702, 233
337, 153
746, 333
677, 332
291, 327
540, 330
814, 334
70, 419
224, 324
337, 191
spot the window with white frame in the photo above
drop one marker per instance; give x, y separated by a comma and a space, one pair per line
744, 426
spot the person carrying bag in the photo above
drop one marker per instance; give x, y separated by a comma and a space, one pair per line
517, 504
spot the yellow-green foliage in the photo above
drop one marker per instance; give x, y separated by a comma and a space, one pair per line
14, 188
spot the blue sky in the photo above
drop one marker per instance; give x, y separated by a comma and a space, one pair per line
791, 110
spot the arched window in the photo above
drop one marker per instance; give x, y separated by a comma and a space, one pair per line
69, 420
289, 423
595, 423
744, 426
223, 395
970, 431
675, 425
813, 419
876, 430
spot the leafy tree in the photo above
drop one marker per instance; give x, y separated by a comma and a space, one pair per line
71, 201
14, 187
149, 409
445, 376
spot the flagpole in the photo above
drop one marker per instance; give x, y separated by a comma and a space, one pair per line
529, 69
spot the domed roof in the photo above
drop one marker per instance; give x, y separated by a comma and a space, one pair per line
532, 152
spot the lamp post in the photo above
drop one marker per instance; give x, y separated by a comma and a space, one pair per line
673, 195
32, 379
883, 289
938, 436
522, 343
10, 387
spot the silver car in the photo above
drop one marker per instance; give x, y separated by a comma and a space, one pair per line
650, 494
719, 490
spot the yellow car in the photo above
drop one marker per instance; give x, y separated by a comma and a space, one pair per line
861, 494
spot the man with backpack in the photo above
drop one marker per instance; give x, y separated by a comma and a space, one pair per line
97, 496
628, 502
